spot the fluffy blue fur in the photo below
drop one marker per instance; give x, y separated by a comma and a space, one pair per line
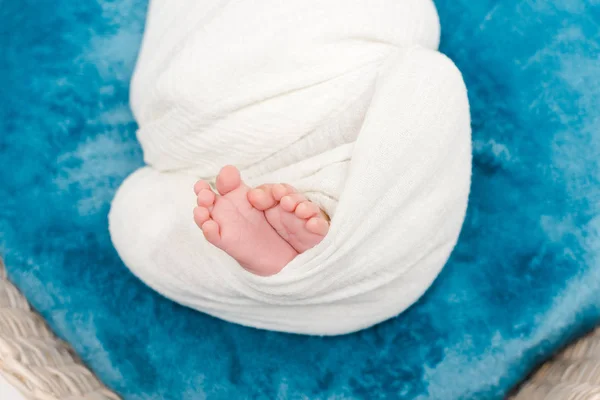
524, 279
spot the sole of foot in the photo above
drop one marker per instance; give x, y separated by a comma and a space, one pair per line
232, 224
296, 219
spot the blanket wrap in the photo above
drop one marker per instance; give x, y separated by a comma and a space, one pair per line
348, 101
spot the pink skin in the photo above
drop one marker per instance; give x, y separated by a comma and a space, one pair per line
264, 229
297, 220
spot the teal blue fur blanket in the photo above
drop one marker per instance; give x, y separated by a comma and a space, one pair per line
523, 280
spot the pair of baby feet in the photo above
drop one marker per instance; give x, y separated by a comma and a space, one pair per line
264, 228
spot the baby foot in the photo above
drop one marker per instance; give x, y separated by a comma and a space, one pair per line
229, 222
297, 220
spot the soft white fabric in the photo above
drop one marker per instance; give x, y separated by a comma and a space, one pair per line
8, 391
350, 102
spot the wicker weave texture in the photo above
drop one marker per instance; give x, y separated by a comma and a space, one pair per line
32, 359
573, 374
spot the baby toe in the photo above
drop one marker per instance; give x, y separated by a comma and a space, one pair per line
201, 215
290, 201
262, 198
318, 226
211, 232
228, 179
206, 198
201, 185
307, 209
280, 190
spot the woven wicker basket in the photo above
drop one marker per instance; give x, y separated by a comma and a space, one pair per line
38, 364
43, 367
573, 374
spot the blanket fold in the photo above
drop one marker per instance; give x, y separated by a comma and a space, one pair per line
349, 102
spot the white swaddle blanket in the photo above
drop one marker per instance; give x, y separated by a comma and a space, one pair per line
348, 101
